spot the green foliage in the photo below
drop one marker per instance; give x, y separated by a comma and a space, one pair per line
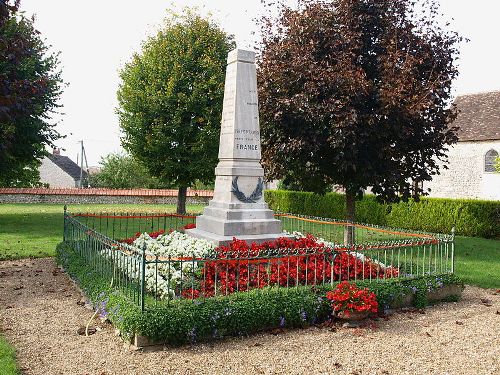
497, 164
469, 217
238, 314
343, 102
330, 205
7, 358
234, 315
119, 171
170, 100
30, 87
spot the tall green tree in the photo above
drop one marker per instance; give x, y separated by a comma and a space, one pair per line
357, 93
120, 171
170, 101
30, 87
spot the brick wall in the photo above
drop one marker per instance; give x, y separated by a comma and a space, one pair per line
110, 196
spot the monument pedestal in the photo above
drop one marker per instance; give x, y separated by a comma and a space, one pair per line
221, 222
238, 208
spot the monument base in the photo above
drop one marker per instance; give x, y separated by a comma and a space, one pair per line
221, 222
225, 240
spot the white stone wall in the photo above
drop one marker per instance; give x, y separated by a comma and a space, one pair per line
54, 176
466, 177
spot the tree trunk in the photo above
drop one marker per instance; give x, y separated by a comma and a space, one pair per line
415, 192
349, 232
181, 200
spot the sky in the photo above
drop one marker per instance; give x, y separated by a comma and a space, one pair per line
96, 39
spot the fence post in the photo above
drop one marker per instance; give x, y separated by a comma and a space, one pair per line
143, 277
64, 223
453, 250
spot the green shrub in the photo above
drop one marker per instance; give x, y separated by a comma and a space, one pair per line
470, 217
237, 314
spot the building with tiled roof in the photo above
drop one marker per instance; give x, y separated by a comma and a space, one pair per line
58, 171
471, 172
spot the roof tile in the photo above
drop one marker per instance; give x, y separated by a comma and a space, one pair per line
479, 116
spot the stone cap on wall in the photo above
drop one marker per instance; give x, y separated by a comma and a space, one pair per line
106, 192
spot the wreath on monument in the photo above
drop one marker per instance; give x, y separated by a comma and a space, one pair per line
254, 197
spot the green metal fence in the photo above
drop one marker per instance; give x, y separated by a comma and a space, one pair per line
105, 242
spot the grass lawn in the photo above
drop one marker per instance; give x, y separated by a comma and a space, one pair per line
7, 358
34, 230
477, 261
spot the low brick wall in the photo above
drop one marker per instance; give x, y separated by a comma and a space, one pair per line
109, 196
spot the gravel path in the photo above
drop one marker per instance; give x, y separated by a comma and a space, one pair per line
39, 314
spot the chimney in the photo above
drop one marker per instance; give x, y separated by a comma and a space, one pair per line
56, 151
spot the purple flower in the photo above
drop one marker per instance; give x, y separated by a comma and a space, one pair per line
282, 322
192, 334
103, 313
303, 315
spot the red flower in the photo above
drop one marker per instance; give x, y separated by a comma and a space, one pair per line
190, 293
348, 297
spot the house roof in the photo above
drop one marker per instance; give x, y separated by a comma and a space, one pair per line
479, 116
67, 165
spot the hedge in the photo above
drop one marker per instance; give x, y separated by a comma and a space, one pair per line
237, 314
475, 218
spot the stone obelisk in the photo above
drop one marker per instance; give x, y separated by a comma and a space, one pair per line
238, 208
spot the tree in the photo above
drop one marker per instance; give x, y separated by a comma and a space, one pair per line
119, 171
357, 93
170, 101
30, 86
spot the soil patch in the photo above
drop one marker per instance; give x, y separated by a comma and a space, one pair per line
40, 314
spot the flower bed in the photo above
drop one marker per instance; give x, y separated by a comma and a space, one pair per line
182, 266
237, 314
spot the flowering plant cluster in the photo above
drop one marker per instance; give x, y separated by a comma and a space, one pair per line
174, 244
178, 254
171, 261
348, 298
130, 240
241, 266
285, 262
181, 265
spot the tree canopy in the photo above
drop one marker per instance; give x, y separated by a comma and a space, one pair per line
170, 101
120, 171
30, 86
357, 93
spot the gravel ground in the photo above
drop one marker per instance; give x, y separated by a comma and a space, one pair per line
39, 314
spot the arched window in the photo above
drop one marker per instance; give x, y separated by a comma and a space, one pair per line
490, 160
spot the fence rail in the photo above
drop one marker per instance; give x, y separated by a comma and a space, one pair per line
158, 274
